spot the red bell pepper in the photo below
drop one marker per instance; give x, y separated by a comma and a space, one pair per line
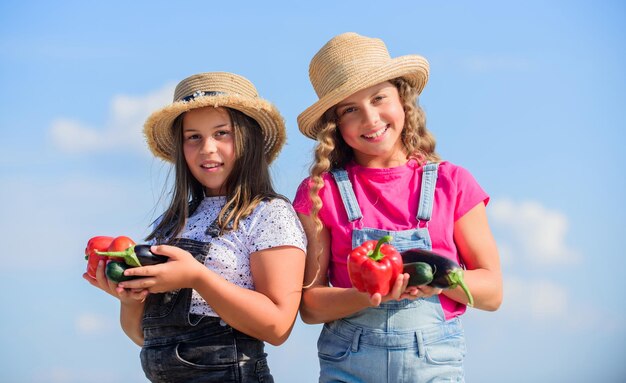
374, 266
120, 243
98, 243
118, 251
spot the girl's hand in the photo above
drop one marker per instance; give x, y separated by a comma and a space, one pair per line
398, 292
401, 290
126, 296
180, 271
425, 291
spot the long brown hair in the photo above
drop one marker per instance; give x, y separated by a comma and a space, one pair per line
248, 183
333, 152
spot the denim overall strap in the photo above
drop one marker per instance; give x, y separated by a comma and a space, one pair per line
165, 310
413, 337
347, 194
402, 240
183, 347
171, 309
427, 194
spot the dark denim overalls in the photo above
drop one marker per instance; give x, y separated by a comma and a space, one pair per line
398, 341
183, 347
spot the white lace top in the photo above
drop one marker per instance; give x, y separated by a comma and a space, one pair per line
272, 223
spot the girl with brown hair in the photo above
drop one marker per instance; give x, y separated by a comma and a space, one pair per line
234, 275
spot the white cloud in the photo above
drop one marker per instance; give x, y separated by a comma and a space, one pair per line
122, 131
538, 300
535, 255
543, 303
90, 323
532, 231
72, 136
547, 300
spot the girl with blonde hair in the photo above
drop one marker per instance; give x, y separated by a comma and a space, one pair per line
376, 173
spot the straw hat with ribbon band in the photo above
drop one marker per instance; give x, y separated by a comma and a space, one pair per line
349, 63
215, 89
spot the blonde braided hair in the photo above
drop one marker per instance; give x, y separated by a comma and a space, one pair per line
331, 150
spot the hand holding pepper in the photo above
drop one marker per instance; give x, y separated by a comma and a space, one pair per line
374, 266
99, 243
118, 253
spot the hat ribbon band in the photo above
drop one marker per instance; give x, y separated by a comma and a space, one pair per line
201, 93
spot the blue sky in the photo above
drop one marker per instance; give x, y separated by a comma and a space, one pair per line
527, 96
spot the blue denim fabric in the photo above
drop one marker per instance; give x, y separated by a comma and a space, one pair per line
427, 194
347, 194
351, 353
183, 347
211, 352
417, 238
399, 341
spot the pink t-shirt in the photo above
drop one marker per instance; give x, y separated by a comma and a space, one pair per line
389, 199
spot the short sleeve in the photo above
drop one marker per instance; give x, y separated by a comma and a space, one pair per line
469, 192
275, 224
302, 201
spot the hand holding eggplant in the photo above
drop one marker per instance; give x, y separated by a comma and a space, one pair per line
428, 268
136, 256
122, 253
181, 270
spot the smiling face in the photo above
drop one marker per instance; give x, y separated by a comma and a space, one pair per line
371, 123
209, 147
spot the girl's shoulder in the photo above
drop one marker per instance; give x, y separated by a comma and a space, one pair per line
459, 185
273, 205
302, 201
453, 172
271, 216
278, 202
306, 184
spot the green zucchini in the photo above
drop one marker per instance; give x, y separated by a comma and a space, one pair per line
420, 273
115, 271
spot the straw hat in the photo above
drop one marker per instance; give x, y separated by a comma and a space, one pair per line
349, 63
215, 89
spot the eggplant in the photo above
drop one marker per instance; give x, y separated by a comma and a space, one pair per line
447, 274
137, 255
146, 257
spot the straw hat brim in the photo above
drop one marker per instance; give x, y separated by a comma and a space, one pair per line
161, 141
413, 68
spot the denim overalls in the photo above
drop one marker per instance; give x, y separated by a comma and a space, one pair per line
180, 346
399, 341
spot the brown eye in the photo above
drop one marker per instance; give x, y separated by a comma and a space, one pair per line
192, 137
347, 110
223, 133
